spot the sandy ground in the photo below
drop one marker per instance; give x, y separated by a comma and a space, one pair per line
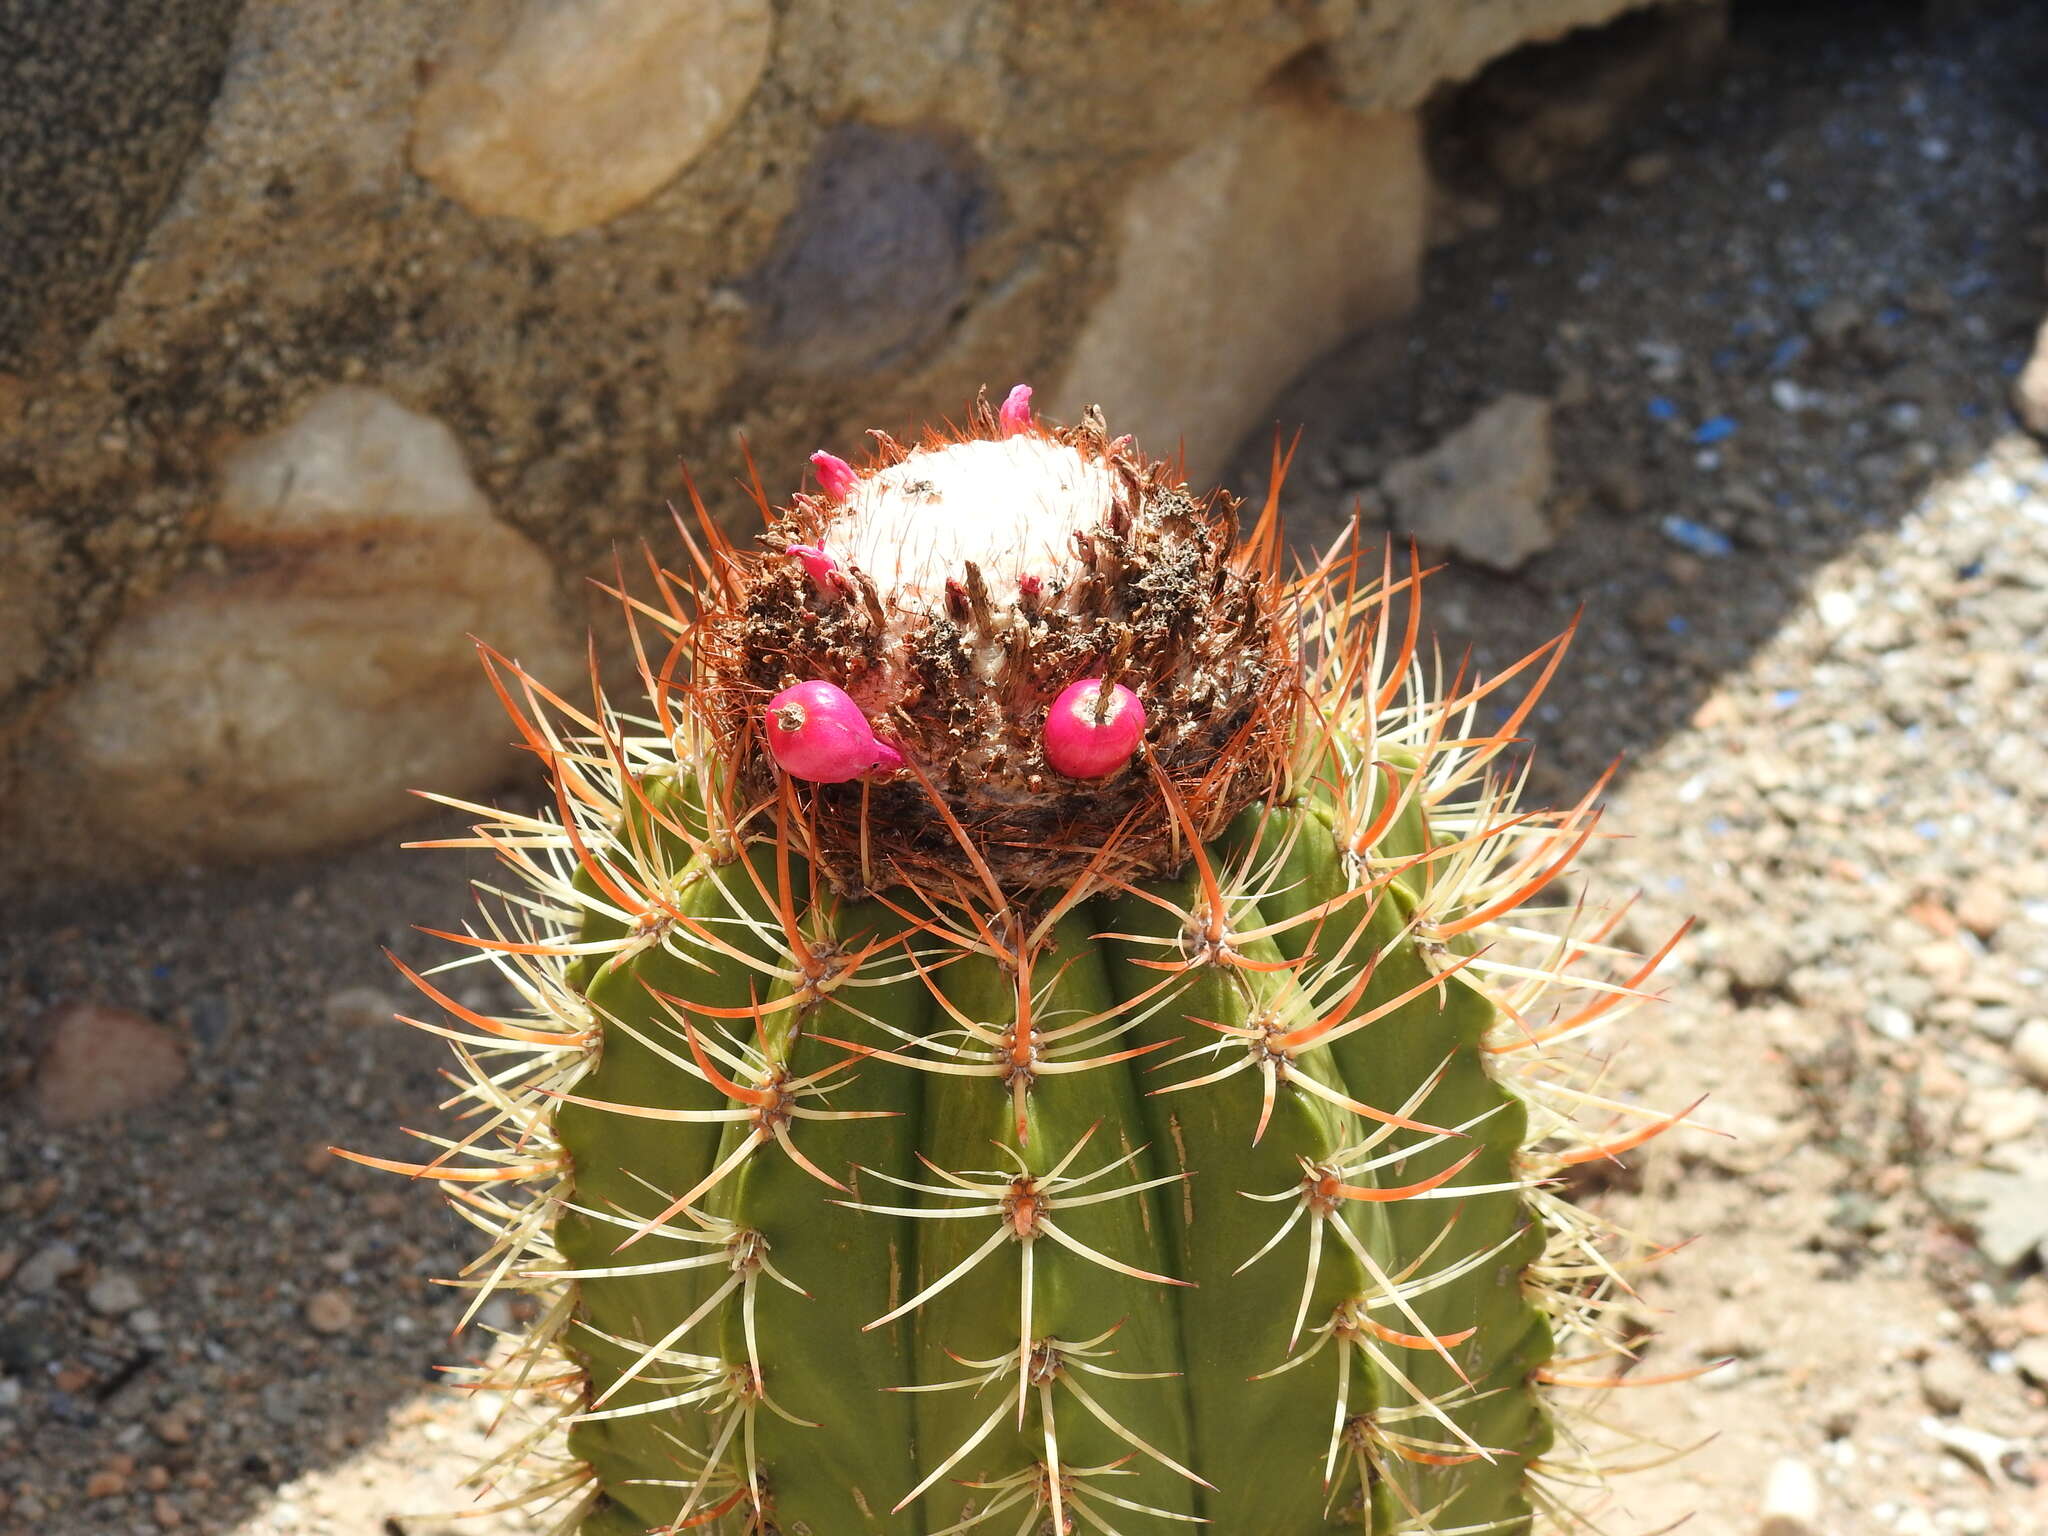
1777, 326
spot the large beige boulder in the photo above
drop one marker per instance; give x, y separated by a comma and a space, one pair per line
589, 239
290, 693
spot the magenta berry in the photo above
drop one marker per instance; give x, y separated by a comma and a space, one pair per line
836, 475
818, 733
1089, 738
1015, 416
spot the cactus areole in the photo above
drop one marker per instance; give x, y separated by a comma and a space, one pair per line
1037, 1023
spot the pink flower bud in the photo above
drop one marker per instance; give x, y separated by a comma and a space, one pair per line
817, 732
1015, 415
1082, 746
887, 758
823, 569
836, 475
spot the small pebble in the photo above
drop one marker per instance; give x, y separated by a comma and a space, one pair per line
57, 1261
1791, 1500
330, 1311
105, 1484
114, 1294
1947, 1380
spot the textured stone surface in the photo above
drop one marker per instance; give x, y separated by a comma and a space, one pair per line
887, 207
289, 697
104, 101
1226, 285
872, 260
100, 1061
1394, 55
567, 114
1480, 493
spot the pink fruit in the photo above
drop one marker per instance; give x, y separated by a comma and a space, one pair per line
817, 732
1088, 738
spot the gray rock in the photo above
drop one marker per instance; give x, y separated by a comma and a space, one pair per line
871, 263
1481, 492
45, 1267
115, 1293
104, 103
2007, 1211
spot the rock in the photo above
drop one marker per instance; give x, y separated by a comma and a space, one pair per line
249, 251
30, 552
330, 1311
2030, 1358
871, 263
105, 101
1296, 222
100, 1061
1480, 493
1757, 962
1947, 1381
290, 700
1983, 908
2007, 1211
2030, 389
2000, 1115
45, 1267
1396, 50
114, 1294
106, 1483
1836, 322
567, 115
1791, 1505
2030, 1050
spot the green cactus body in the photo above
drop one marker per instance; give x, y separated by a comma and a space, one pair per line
975, 1141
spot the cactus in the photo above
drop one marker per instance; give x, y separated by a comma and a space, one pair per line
1038, 1023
